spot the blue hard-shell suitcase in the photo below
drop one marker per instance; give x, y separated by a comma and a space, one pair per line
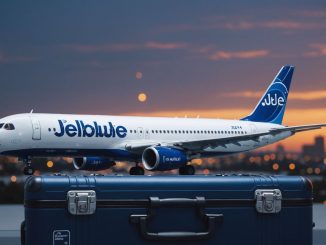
234, 209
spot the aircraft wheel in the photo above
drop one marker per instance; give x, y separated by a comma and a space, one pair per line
28, 170
187, 170
136, 171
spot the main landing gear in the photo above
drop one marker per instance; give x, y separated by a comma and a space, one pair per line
187, 170
137, 170
28, 169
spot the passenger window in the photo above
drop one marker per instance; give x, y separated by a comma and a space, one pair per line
9, 126
134, 131
1, 125
175, 131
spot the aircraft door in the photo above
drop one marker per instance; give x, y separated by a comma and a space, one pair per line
253, 128
36, 129
140, 133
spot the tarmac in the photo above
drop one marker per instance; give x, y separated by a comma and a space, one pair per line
11, 217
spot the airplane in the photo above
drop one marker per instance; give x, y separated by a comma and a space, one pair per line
95, 142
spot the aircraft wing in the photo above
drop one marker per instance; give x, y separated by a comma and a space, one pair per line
236, 140
202, 144
296, 129
193, 145
134, 146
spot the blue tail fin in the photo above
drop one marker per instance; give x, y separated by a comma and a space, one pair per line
272, 105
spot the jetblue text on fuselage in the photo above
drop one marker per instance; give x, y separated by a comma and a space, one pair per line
80, 129
273, 100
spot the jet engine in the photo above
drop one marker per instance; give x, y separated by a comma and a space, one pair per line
92, 163
163, 158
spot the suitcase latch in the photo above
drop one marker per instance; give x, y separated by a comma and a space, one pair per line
81, 202
268, 201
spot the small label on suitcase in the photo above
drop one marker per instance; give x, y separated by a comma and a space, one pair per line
61, 237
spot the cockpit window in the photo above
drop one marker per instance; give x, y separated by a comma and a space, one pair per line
9, 126
1, 125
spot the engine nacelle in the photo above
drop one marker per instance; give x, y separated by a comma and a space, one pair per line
163, 158
92, 163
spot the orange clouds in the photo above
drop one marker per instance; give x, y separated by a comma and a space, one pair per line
318, 50
250, 54
124, 47
307, 95
95, 48
165, 46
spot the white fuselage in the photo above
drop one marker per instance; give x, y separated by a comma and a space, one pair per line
110, 136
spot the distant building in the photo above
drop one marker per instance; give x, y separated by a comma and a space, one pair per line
280, 152
315, 151
280, 149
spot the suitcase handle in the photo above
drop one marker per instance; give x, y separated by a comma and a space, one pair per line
177, 202
143, 219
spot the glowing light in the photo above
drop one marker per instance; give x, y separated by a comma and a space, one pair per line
206, 171
317, 170
267, 158
13, 179
276, 166
324, 202
49, 164
325, 161
139, 75
292, 166
273, 156
309, 170
197, 161
69, 160
142, 97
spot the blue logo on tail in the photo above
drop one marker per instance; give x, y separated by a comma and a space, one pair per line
271, 106
276, 99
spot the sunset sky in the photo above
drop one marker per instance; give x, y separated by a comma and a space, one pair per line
207, 58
